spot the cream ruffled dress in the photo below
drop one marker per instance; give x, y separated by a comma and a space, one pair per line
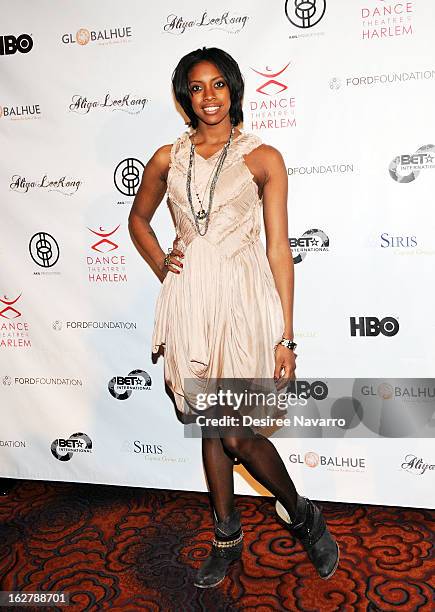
221, 317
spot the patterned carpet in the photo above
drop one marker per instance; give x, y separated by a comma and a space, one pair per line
129, 549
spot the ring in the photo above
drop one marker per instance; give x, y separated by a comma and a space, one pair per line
167, 259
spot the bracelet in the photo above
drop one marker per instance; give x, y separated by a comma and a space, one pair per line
288, 343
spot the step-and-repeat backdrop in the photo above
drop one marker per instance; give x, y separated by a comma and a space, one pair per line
344, 90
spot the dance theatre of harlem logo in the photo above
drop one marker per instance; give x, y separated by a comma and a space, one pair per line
272, 107
20, 112
416, 465
311, 241
226, 21
10, 44
14, 330
107, 36
383, 19
405, 168
122, 387
107, 266
64, 449
305, 14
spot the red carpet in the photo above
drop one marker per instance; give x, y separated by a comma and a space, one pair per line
120, 548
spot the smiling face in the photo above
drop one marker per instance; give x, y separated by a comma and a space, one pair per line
209, 93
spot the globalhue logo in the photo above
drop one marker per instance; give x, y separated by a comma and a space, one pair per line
21, 112
313, 460
84, 36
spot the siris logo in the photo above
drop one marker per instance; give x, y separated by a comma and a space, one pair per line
372, 326
10, 44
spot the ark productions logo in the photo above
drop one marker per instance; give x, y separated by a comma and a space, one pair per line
122, 387
44, 250
127, 103
10, 44
64, 449
271, 107
226, 21
382, 19
127, 176
107, 266
20, 112
336, 463
373, 326
406, 168
311, 241
63, 185
413, 464
106, 36
305, 14
14, 329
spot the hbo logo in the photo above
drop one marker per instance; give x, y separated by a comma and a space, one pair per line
10, 44
372, 326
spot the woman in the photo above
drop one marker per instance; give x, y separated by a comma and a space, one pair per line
225, 306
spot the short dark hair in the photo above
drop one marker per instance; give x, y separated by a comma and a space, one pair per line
230, 71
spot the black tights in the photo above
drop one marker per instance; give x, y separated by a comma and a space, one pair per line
257, 454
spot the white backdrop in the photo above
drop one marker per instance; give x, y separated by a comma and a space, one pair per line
346, 100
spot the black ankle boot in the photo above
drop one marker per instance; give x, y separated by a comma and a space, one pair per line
309, 527
227, 547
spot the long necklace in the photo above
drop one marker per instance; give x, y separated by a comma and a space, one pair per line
202, 215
